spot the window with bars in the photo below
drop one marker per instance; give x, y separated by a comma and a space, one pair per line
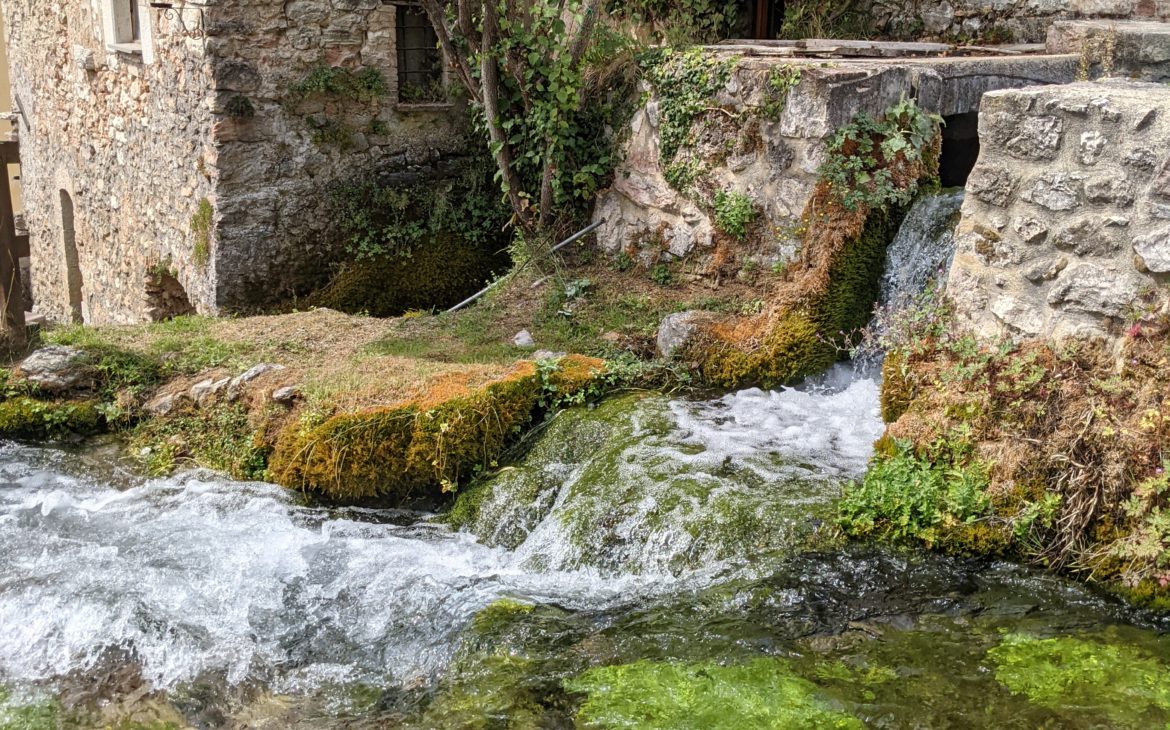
420, 62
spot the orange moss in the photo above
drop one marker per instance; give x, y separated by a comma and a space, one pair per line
422, 446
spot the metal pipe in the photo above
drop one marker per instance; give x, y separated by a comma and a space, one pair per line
576, 236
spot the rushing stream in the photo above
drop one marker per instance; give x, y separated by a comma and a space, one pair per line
650, 563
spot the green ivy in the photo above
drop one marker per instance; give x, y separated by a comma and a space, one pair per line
684, 82
859, 156
377, 218
781, 81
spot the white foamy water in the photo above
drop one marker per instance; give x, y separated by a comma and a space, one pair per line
197, 574
685, 488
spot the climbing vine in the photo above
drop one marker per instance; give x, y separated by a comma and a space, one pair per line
859, 166
684, 82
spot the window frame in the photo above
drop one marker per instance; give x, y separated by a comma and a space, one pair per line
407, 6
123, 25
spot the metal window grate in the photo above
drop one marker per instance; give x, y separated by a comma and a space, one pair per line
420, 63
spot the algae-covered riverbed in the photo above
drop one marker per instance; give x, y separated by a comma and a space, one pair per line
651, 563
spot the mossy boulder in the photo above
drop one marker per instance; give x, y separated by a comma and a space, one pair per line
425, 445
30, 418
623, 488
436, 273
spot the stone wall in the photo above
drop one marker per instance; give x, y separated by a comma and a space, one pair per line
776, 160
1065, 230
274, 233
195, 153
129, 141
1022, 21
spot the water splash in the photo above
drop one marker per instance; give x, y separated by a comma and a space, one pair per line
922, 250
198, 575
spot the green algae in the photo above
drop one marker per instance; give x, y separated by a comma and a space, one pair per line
1125, 684
22, 714
763, 693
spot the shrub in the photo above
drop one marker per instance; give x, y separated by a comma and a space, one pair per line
733, 213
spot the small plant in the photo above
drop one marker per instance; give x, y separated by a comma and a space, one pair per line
781, 81
682, 174
239, 107
733, 213
201, 230
623, 261
660, 274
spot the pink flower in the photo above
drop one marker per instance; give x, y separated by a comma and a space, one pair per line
1134, 331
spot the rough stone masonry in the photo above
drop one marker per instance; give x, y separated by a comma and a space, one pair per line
179, 159
1065, 230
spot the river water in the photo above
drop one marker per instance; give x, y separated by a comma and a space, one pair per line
650, 563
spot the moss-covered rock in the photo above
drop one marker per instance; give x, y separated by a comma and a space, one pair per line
763, 693
424, 446
29, 418
436, 273
624, 488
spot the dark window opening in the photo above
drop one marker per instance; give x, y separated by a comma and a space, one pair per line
420, 63
72, 262
960, 149
768, 19
135, 27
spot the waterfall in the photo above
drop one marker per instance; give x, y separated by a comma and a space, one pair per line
922, 250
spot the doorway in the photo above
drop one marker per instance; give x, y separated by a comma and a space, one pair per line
72, 264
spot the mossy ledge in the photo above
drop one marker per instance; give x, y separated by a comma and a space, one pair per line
874, 170
432, 442
1050, 452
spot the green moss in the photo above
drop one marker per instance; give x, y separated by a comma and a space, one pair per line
35, 715
499, 614
23, 417
201, 221
1126, 685
759, 694
439, 272
417, 448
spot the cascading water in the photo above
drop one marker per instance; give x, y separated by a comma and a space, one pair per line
662, 538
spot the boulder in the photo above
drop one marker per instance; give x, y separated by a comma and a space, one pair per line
676, 330
58, 369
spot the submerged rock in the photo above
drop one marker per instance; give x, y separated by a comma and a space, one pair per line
647, 485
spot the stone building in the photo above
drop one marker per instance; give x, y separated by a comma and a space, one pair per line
178, 156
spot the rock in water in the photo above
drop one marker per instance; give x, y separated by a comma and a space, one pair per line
58, 369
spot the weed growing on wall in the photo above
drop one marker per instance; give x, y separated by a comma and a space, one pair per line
858, 166
781, 81
733, 213
201, 232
